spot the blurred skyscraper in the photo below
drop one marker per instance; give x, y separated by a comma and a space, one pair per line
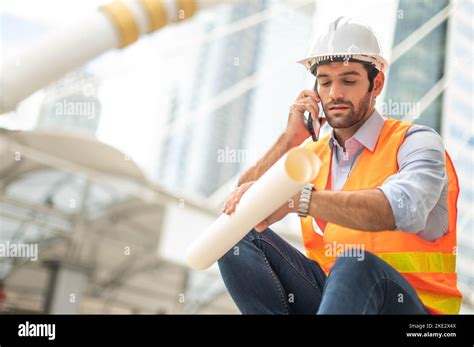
201, 157
422, 64
458, 129
189, 159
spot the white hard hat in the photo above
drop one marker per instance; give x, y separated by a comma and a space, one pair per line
347, 39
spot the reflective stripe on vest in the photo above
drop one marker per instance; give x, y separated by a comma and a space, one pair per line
428, 266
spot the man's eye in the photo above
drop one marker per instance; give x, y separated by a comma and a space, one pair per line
349, 82
325, 84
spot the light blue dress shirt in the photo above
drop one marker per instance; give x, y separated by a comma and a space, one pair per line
417, 192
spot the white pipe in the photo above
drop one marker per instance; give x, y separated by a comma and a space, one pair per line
73, 46
48, 60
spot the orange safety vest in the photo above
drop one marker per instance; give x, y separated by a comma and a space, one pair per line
430, 267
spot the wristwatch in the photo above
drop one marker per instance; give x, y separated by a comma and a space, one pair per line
305, 200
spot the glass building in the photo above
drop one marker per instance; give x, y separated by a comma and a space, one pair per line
458, 131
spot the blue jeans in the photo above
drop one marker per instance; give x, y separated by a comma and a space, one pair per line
266, 275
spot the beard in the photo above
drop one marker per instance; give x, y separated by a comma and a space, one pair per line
348, 117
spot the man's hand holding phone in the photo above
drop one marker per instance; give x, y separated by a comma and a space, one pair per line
297, 129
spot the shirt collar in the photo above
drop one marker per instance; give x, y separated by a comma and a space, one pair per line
368, 133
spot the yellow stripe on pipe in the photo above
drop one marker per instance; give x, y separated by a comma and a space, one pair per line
124, 21
186, 9
156, 14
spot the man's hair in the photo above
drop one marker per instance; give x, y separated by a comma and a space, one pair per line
372, 71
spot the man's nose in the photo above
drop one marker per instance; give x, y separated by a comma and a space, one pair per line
336, 92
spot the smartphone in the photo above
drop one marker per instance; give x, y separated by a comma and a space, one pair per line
315, 127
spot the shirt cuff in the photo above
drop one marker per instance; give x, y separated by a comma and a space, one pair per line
399, 203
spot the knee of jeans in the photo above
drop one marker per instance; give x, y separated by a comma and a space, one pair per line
252, 235
356, 260
239, 249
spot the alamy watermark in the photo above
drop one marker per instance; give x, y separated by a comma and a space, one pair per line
399, 108
231, 155
19, 250
78, 108
28, 329
354, 250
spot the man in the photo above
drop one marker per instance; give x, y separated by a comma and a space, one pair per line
384, 201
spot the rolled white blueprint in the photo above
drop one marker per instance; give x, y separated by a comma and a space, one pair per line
281, 182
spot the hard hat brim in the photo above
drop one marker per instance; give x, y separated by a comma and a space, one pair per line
377, 60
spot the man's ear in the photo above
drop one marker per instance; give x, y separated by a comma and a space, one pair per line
379, 82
